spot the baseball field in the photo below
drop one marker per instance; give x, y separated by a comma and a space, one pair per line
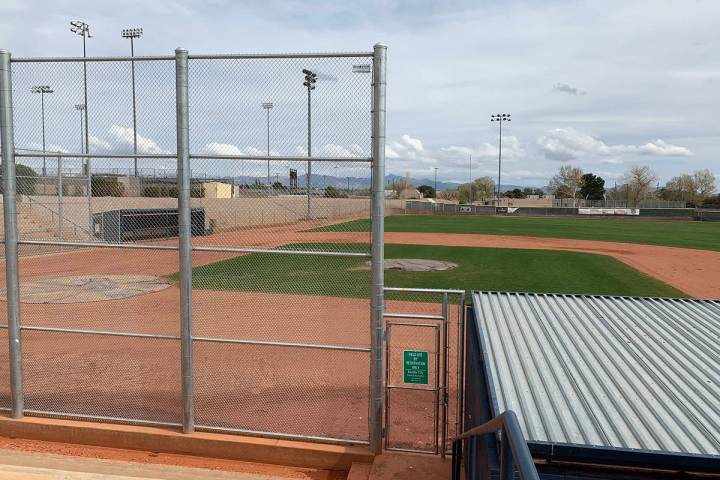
316, 300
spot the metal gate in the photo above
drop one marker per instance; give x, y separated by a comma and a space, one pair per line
424, 352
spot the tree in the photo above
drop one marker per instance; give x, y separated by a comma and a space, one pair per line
567, 182
25, 179
693, 188
704, 183
533, 191
485, 188
449, 194
467, 192
638, 182
678, 188
107, 187
332, 192
426, 191
592, 187
515, 193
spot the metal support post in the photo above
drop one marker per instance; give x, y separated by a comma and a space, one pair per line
60, 198
377, 247
12, 281
185, 239
461, 367
308, 180
445, 348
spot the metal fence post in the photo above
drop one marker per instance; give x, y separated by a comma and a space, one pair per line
7, 141
60, 198
377, 247
445, 349
184, 234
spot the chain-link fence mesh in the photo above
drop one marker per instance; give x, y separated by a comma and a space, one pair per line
280, 303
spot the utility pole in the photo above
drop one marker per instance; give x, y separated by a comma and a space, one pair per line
470, 190
132, 34
436, 169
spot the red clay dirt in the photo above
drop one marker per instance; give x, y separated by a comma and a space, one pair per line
256, 387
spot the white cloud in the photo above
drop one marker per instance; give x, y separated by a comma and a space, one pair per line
333, 150
48, 147
223, 149
97, 144
565, 144
122, 137
410, 154
662, 149
119, 139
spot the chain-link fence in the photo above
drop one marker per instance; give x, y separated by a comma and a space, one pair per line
174, 264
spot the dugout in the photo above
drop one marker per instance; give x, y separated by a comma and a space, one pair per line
603, 387
129, 224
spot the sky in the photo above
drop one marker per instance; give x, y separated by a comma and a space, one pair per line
602, 85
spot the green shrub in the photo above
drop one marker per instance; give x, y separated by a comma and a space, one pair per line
25, 179
171, 191
107, 187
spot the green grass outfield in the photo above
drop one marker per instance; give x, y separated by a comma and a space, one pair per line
479, 269
672, 233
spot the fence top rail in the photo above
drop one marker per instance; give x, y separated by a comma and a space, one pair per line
227, 56
124, 156
424, 290
286, 158
202, 156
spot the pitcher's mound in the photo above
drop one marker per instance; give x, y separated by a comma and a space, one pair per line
413, 265
88, 288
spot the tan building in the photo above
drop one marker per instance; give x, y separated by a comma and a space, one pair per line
218, 190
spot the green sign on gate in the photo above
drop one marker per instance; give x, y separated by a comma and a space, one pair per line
415, 367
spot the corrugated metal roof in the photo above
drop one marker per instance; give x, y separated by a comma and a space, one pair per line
639, 373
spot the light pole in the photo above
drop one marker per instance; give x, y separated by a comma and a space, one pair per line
470, 190
436, 169
309, 83
268, 106
81, 108
500, 118
83, 29
132, 34
42, 90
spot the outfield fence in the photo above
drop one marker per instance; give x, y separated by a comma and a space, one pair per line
176, 192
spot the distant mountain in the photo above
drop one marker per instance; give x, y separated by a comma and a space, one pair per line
320, 181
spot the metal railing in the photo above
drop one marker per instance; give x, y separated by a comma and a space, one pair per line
514, 452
